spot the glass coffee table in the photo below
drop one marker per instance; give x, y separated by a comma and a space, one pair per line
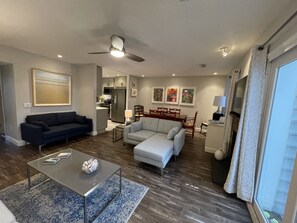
67, 172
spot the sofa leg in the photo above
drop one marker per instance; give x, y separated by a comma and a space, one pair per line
39, 148
66, 140
162, 171
175, 158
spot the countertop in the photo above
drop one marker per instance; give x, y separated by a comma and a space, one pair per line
101, 108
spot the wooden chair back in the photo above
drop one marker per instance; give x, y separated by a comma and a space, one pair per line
175, 110
138, 112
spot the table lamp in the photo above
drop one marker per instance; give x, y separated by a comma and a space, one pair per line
128, 115
219, 101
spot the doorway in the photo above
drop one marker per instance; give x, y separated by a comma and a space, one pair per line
276, 188
2, 119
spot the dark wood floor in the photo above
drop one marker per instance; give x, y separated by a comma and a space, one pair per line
184, 194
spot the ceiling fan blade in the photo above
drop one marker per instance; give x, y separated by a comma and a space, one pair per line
98, 53
134, 57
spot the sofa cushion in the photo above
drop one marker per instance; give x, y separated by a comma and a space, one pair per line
80, 119
41, 124
76, 127
136, 126
157, 147
150, 124
165, 126
66, 117
49, 119
172, 133
140, 135
56, 130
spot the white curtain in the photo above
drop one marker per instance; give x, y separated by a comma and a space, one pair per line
241, 176
228, 119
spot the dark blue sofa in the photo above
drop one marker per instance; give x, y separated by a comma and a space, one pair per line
45, 128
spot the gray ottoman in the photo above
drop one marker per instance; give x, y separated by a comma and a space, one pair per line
156, 150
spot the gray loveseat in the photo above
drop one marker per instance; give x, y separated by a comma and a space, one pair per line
156, 140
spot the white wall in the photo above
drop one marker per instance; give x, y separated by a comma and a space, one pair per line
133, 80
206, 88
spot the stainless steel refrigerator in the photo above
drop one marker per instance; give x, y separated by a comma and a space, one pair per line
118, 105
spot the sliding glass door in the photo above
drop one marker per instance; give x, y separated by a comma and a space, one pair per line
276, 193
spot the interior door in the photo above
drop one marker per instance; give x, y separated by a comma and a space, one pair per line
275, 197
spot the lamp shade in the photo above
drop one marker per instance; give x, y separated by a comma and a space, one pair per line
219, 101
128, 113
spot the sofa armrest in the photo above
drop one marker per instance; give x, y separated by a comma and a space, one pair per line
32, 133
90, 123
179, 141
127, 130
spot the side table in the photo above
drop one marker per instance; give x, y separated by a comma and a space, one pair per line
118, 132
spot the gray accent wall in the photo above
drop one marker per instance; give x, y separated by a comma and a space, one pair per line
206, 88
18, 82
9, 100
87, 91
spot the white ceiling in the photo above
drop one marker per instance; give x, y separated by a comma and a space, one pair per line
174, 36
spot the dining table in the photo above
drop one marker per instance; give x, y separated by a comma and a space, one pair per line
177, 117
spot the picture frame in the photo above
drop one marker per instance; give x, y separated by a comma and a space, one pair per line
133, 92
187, 96
172, 95
158, 94
50, 88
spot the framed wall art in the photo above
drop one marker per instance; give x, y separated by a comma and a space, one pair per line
172, 95
51, 89
133, 92
187, 96
158, 95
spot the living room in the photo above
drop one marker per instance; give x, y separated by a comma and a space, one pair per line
189, 178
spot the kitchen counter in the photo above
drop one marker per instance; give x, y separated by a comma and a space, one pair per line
101, 108
102, 118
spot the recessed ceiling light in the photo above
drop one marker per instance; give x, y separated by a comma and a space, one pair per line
142, 75
224, 51
215, 73
118, 75
59, 55
173, 75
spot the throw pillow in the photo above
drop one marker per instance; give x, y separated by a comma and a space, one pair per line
172, 133
136, 126
80, 119
41, 124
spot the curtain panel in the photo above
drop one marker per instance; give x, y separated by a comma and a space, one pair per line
241, 176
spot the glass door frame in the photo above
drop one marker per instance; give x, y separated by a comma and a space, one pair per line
273, 71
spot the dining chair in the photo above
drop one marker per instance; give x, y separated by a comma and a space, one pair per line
138, 112
169, 115
162, 109
155, 113
175, 110
190, 124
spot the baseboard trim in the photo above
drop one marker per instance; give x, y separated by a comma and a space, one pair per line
252, 213
15, 141
93, 133
210, 150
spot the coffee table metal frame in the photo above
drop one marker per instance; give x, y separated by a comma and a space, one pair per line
85, 196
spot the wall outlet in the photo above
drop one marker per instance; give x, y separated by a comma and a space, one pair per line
27, 105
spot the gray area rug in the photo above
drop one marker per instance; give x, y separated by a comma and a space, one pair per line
51, 202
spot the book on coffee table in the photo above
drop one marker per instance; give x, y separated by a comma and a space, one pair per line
64, 155
51, 160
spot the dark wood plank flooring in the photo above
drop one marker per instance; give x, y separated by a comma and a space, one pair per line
184, 194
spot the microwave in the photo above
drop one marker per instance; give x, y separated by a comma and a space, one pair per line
107, 90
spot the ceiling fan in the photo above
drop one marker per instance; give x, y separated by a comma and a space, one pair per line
117, 49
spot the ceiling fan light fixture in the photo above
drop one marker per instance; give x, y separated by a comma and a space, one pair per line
117, 53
